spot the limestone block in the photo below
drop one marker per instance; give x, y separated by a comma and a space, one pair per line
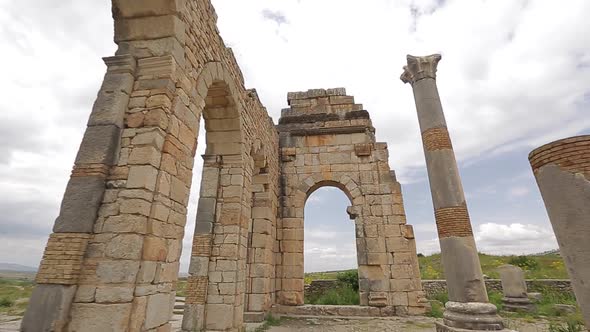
152, 137
398, 244
152, 27
155, 117
291, 246
290, 298
85, 294
114, 294
199, 266
377, 258
293, 259
99, 145
135, 206
131, 8
122, 271
193, 317
48, 308
137, 313
166, 272
125, 224
154, 249
125, 246
91, 317
145, 155
402, 284
399, 298
142, 177
79, 207
219, 317
293, 285
158, 310
513, 282
375, 245
109, 108
147, 272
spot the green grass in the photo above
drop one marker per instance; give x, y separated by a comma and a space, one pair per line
270, 321
181, 287
343, 295
545, 308
14, 294
309, 277
548, 266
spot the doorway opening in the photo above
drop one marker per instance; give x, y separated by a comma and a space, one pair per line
330, 255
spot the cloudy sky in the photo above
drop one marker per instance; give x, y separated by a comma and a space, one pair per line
514, 75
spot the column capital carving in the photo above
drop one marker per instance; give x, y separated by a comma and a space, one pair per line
420, 67
120, 64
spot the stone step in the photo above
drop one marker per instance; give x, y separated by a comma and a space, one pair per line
179, 299
328, 310
179, 306
254, 317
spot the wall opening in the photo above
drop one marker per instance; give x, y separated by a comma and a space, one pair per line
329, 244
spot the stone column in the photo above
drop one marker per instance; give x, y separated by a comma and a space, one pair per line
194, 309
61, 268
468, 305
562, 170
514, 289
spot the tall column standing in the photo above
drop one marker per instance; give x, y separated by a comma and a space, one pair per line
468, 306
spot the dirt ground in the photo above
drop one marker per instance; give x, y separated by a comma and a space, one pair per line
409, 324
406, 324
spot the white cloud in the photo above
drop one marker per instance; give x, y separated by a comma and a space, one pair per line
518, 191
493, 238
513, 76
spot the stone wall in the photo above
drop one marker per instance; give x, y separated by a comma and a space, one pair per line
327, 139
432, 287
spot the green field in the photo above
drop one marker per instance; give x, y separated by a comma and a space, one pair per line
546, 266
14, 295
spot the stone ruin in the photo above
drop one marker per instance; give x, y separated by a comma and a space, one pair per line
112, 261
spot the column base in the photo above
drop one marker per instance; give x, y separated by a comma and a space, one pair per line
471, 316
518, 304
443, 328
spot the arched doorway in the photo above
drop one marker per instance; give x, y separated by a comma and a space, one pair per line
329, 244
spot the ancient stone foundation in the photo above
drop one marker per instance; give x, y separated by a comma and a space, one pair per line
562, 170
112, 261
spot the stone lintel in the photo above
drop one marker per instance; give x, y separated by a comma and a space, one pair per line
331, 131
420, 67
315, 93
120, 64
157, 66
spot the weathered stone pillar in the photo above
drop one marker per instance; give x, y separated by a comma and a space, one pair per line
514, 289
562, 170
194, 310
468, 305
61, 266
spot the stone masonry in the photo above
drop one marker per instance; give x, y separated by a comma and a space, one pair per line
562, 170
514, 289
327, 139
112, 261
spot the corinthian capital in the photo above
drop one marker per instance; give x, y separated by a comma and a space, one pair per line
420, 67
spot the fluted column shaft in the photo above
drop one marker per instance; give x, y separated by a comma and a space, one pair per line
461, 265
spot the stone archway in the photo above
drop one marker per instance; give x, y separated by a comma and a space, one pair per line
113, 260
212, 286
328, 139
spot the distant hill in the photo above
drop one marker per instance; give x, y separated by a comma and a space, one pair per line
16, 267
